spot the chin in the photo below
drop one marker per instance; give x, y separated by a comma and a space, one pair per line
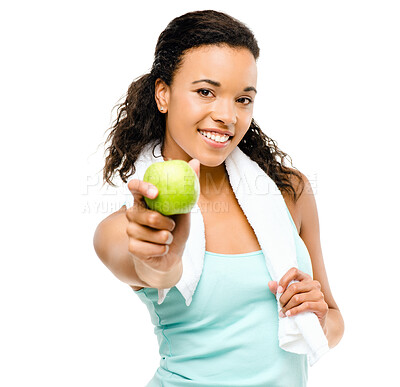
211, 162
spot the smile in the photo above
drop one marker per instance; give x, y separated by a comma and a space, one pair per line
215, 136
216, 140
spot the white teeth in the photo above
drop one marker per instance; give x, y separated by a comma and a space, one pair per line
215, 137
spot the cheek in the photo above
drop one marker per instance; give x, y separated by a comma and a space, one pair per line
245, 119
187, 111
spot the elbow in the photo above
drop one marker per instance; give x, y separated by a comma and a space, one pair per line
110, 239
98, 244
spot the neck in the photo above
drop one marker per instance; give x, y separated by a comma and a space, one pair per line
213, 180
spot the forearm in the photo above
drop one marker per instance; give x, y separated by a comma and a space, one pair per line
159, 280
334, 327
111, 244
134, 272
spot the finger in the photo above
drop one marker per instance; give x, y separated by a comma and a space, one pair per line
273, 285
147, 234
295, 288
144, 250
149, 218
319, 308
300, 298
195, 164
291, 275
140, 188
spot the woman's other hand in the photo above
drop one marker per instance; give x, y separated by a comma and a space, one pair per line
304, 295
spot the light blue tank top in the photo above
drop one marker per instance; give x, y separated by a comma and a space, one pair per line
228, 335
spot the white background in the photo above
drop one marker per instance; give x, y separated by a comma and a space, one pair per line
328, 94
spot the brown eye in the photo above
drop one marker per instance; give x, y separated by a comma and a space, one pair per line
203, 91
248, 99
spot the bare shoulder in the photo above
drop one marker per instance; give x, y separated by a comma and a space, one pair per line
300, 186
304, 208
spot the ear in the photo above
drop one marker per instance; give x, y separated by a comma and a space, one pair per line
162, 95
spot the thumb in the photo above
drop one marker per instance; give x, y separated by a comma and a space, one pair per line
195, 164
273, 286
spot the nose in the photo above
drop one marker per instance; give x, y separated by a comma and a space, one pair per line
224, 111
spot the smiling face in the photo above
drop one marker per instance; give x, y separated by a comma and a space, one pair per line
213, 89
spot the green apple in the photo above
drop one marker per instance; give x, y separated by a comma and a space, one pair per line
178, 187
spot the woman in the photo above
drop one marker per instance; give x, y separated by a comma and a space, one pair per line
197, 104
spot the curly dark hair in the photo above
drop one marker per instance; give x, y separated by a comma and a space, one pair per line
139, 121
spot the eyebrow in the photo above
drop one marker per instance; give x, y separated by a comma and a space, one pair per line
217, 84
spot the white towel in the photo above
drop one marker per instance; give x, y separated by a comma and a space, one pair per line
255, 192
